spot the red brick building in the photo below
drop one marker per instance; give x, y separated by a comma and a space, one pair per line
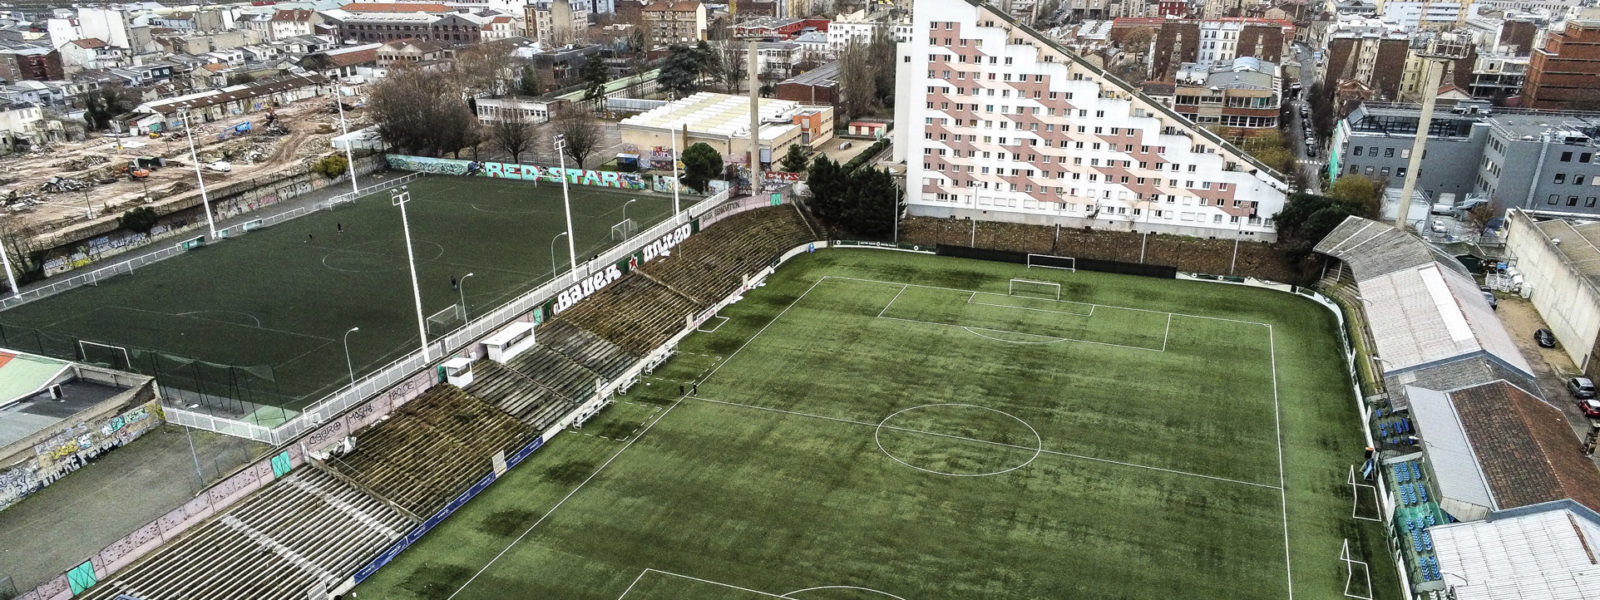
37, 64
1566, 72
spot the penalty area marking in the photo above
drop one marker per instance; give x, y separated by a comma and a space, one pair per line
191, 314
877, 431
337, 251
784, 596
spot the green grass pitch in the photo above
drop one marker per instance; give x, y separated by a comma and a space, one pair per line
881, 425
279, 299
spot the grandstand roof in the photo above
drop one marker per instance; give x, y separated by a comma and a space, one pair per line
22, 375
1423, 307
1494, 446
1545, 553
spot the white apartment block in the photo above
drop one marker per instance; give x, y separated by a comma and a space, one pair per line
859, 27
997, 122
1425, 14
1219, 41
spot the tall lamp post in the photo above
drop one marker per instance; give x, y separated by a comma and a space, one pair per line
461, 287
566, 199
205, 200
626, 230
677, 180
5, 264
347, 363
553, 271
400, 198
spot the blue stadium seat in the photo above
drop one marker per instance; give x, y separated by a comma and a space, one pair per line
1415, 472
1427, 541
1422, 493
1429, 520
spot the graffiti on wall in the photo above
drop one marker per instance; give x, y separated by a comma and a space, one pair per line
71, 448
585, 177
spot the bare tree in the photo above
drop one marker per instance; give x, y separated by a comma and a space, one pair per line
512, 134
419, 111
857, 81
733, 72
482, 68
581, 131
18, 243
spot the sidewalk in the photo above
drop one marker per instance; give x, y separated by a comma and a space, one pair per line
298, 201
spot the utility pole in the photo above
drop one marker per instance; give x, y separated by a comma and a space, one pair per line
1436, 55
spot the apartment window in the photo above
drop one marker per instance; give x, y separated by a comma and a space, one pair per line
1388, 152
1583, 158
1400, 172
1566, 157
1358, 150
1588, 202
1577, 179
1553, 199
1572, 200
1561, 178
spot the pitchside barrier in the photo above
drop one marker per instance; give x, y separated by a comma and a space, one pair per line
128, 266
1081, 264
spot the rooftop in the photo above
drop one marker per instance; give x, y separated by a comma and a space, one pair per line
1544, 554
396, 7
1580, 244
825, 75
722, 115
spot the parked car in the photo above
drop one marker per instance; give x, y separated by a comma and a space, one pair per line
1590, 408
1494, 304
221, 165
1582, 388
1544, 338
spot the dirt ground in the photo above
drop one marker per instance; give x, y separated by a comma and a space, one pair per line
1551, 365
310, 124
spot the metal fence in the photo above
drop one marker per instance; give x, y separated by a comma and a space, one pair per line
128, 266
401, 369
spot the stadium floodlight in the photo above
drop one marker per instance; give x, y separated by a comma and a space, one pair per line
677, 216
461, 287
347, 363
350, 159
566, 199
401, 197
205, 200
553, 271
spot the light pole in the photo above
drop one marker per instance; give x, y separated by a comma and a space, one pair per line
626, 231
677, 180
400, 197
194, 157
461, 286
88, 211
1237, 233
5, 263
553, 271
350, 159
350, 365
566, 200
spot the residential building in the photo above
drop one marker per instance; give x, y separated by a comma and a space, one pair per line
341, 63
409, 51
40, 64
819, 86
226, 104
23, 126
1425, 14
814, 46
451, 29
1242, 96
1421, 58
1368, 53
997, 122
492, 109
1565, 71
556, 23
775, 29
675, 22
90, 53
723, 122
1498, 76
775, 61
293, 22
860, 26
1177, 41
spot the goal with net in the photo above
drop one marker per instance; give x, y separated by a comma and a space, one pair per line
1038, 289
623, 229
444, 321
1048, 261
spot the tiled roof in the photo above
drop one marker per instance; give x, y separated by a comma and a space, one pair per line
292, 16
359, 57
90, 43
1525, 447
397, 7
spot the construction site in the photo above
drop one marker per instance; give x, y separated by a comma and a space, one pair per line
73, 191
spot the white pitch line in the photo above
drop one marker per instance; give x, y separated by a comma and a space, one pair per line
1283, 493
635, 582
1053, 339
1144, 310
988, 442
891, 300
1167, 334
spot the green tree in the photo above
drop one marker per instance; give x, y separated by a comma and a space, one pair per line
331, 166
680, 72
1307, 218
701, 163
141, 219
101, 106
529, 84
795, 160
709, 62
595, 74
1362, 195
860, 201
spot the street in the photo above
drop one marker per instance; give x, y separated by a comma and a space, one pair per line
1308, 151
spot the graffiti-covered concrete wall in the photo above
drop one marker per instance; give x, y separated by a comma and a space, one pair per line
31, 463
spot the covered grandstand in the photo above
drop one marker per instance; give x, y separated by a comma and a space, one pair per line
1464, 437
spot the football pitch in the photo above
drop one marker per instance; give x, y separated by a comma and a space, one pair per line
262, 317
877, 425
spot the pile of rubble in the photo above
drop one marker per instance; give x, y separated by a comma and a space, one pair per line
57, 185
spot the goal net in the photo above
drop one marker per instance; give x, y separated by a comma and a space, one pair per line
623, 229
1358, 574
1038, 289
106, 355
446, 320
1047, 261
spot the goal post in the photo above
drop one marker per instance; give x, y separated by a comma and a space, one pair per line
192, 243
1355, 586
1050, 261
105, 354
444, 321
623, 230
1031, 287
1357, 482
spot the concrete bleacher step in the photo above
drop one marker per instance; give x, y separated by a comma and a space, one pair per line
585, 348
557, 372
